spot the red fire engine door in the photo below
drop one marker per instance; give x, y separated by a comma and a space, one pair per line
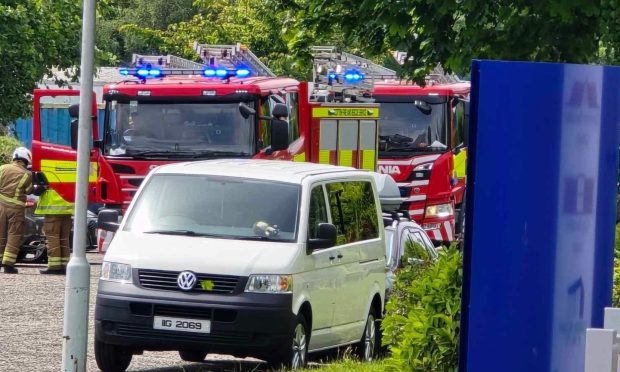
51, 141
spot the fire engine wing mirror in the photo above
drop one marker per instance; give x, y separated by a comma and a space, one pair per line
325, 237
279, 135
246, 111
279, 110
74, 110
74, 134
107, 220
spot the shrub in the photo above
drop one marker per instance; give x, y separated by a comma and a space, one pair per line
7, 145
423, 316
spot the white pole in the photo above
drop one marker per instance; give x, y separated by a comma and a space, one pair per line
75, 329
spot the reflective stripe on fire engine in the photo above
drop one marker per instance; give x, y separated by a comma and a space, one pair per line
437, 234
324, 156
345, 158
300, 157
413, 183
65, 171
448, 226
460, 162
415, 161
345, 112
416, 212
415, 198
369, 159
368, 144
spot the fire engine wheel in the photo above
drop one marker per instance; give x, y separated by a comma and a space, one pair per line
111, 358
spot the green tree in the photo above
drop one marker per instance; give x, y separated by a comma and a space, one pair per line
453, 32
36, 36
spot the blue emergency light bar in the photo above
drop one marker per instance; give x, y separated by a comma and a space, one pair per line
349, 76
146, 72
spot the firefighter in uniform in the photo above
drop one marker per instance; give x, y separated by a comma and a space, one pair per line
15, 184
56, 227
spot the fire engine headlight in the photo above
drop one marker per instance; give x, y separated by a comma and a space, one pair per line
270, 284
423, 167
439, 211
116, 272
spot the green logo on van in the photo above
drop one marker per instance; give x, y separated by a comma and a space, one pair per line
207, 285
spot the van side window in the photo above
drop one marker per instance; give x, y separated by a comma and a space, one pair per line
353, 209
318, 211
265, 110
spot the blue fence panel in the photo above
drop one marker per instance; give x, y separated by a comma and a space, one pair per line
538, 257
55, 127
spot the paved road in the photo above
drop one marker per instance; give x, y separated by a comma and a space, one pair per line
31, 317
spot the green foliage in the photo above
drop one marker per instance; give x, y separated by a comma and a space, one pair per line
36, 36
348, 364
454, 32
615, 300
423, 315
7, 146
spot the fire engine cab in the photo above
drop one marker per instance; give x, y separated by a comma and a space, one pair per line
422, 136
167, 109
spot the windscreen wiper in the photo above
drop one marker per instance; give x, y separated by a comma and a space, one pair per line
159, 153
213, 153
178, 232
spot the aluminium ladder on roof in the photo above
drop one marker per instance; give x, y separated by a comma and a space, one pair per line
231, 56
166, 61
328, 58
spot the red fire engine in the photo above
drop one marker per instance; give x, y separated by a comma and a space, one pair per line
422, 136
232, 106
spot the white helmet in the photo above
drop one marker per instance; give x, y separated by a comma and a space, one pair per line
23, 154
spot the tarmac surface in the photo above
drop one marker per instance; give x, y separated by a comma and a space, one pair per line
31, 321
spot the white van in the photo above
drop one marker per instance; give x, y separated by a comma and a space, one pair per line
260, 258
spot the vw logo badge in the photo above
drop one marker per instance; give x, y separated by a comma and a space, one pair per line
186, 280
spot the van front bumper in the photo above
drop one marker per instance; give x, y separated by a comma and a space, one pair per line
245, 324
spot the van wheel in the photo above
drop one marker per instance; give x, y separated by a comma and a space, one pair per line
296, 355
368, 347
111, 358
193, 355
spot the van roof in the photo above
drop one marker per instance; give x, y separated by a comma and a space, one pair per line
276, 170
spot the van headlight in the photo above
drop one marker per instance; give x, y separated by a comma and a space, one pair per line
439, 211
270, 284
116, 272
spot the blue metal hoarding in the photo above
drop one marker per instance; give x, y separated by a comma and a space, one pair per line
541, 212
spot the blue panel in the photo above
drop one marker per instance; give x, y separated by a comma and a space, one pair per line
540, 218
54, 126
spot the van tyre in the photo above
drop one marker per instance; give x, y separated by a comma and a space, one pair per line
296, 355
111, 358
193, 355
368, 347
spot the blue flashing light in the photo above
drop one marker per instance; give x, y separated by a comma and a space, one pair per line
220, 72
143, 72
332, 75
209, 72
155, 72
353, 76
124, 72
243, 72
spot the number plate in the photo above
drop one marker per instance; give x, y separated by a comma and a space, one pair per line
182, 324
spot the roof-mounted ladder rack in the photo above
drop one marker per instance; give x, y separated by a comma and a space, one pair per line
231, 56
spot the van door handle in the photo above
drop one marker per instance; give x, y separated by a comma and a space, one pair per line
339, 256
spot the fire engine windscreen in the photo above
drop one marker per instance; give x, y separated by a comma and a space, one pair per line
417, 125
177, 129
216, 206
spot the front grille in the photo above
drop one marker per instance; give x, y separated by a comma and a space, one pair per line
135, 181
404, 191
136, 330
184, 312
167, 280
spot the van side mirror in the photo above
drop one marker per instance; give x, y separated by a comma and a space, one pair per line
74, 134
325, 237
107, 220
246, 111
279, 134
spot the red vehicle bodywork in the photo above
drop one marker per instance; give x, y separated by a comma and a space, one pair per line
114, 180
440, 185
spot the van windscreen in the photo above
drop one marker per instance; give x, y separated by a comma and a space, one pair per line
215, 206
